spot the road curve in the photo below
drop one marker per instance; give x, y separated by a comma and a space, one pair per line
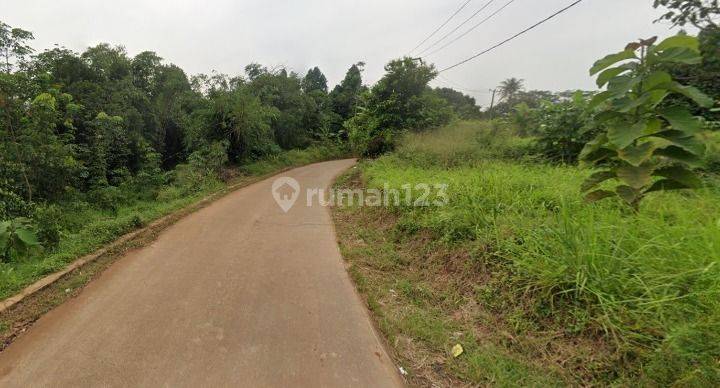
239, 293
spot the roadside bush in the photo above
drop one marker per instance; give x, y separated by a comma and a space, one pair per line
209, 160
17, 239
563, 129
107, 198
47, 218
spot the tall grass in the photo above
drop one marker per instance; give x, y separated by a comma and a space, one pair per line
648, 283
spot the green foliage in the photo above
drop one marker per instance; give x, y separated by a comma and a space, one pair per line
563, 129
510, 88
464, 106
13, 45
400, 101
647, 286
49, 229
645, 148
211, 159
17, 238
699, 13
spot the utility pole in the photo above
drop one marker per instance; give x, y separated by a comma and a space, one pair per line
492, 103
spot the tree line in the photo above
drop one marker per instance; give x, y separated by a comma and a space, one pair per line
73, 126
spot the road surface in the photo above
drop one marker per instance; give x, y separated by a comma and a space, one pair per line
239, 293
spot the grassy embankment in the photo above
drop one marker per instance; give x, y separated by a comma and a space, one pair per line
85, 227
538, 286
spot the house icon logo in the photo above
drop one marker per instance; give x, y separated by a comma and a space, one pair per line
285, 190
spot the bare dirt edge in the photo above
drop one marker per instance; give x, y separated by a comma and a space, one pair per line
362, 300
20, 311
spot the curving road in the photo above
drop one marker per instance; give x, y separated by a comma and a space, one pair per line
239, 293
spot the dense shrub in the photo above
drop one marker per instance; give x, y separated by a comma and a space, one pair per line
563, 129
48, 220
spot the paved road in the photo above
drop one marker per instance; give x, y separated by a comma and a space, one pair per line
237, 294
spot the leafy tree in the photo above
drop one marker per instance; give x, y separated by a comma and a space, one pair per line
646, 147
563, 128
13, 45
315, 81
700, 13
296, 120
145, 68
464, 106
238, 118
345, 96
510, 88
400, 101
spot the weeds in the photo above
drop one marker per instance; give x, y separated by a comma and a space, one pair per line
646, 284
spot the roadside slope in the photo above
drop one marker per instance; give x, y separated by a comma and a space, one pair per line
238, 293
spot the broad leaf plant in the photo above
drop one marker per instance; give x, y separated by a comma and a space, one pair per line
646, 146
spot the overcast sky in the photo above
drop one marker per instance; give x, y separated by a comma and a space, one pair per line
225, 35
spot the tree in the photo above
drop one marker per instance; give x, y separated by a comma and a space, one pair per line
510, 88
401, 100
647, 147
700, 13
145, 69
315, 81
464, 106
13, 45
345, 95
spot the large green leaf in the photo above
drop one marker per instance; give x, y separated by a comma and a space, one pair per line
622, 134
606, 116
648, 99
622, 84
598, 195
597, 178
680, 139
628, 194
26, 236
681, 41
656, 78
676, 55
593, 145
681, 119
692, 93
636, 177
637, 155
652, 126
666, 185
599, 99
611, 73
611, 60
679, 174
678, 154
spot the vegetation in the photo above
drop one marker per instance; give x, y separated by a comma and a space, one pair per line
519, 269
95, 144
643, 141
539, 286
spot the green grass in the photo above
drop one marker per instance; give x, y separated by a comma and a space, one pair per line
86, 228
647, 285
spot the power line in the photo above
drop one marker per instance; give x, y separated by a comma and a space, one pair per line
512, 37
456, 86
441, 26
472, 28
456, 28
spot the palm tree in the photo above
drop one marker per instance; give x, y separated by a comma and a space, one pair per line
510, 87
